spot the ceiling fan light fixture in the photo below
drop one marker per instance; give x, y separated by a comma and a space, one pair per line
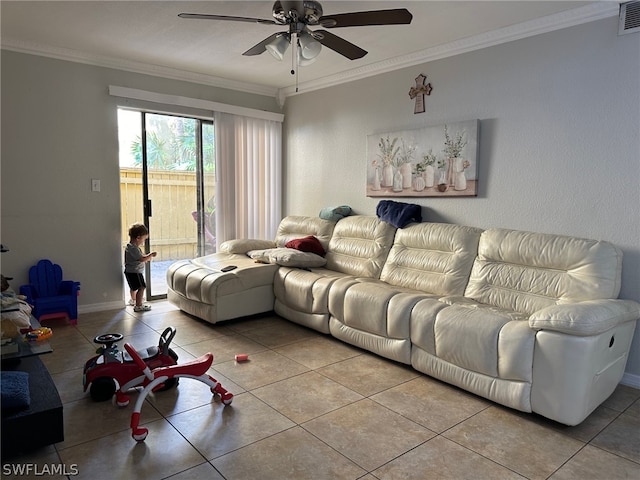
309, 47
278, 46
304, 62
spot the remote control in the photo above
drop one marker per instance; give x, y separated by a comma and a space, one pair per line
228, 268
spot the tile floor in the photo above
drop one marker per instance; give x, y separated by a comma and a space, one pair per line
307, 406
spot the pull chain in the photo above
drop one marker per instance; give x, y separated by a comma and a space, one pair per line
294, 57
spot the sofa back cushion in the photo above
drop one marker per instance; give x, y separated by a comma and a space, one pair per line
294, 227
432, 257
524, 271
359, 246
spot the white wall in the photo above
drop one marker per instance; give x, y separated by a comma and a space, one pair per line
559, 138
59, 130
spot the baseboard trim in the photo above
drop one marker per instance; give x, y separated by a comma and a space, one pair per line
631, 380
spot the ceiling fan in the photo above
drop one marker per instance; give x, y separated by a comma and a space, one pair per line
306, 44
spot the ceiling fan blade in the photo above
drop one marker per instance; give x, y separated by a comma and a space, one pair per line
397, 16
340, 45
260, 47
202, 16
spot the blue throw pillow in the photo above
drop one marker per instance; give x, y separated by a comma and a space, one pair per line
334, 214
14, 389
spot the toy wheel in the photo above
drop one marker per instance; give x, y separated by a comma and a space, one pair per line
140, 434
227, 399
102, 389
169, 383
122, 400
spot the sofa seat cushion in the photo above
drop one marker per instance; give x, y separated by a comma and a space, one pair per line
432, 257
200, 279
305, 290
422, 323
373, 315
482, 340
373, 306
470, 303
288, 257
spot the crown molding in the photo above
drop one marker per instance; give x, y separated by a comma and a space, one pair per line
136, 67
531, 28
569, 18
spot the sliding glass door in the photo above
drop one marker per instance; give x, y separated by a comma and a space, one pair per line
167, 183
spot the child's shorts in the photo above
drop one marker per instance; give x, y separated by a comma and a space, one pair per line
135, 280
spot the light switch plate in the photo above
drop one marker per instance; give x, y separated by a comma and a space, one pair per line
95, 185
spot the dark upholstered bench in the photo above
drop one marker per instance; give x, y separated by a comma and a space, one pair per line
39, 424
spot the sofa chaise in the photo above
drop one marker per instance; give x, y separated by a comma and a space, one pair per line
528, 320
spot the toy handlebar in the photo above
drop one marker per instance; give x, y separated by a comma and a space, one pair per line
165, 339
138, 361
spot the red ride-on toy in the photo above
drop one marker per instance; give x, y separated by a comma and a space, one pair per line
114, 371
195, 369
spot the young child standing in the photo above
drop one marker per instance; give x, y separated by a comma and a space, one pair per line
134, 261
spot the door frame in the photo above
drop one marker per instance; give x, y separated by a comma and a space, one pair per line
147, 202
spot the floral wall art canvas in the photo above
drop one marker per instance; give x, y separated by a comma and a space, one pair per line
439, 161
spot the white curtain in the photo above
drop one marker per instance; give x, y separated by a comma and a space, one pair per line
248, 177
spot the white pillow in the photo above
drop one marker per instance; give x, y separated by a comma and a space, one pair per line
288, 257
243, 245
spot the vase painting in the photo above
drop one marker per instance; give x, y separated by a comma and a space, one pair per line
387, 176
376, 180
459, 177
429, 176
449, 149
405, 170
443, 181
398, 181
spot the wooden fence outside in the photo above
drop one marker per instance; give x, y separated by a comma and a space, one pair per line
172, 229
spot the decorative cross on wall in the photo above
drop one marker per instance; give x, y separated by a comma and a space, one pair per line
418, 92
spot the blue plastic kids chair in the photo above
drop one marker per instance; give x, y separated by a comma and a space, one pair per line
49, 294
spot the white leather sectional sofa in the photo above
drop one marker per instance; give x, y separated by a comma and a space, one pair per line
528, 320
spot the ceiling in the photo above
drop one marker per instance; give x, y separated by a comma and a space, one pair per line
149, 37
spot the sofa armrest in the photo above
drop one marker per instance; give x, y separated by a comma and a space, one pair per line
244, 245
586, 318
69, 287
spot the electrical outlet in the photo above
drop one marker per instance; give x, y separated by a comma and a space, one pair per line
95, 185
